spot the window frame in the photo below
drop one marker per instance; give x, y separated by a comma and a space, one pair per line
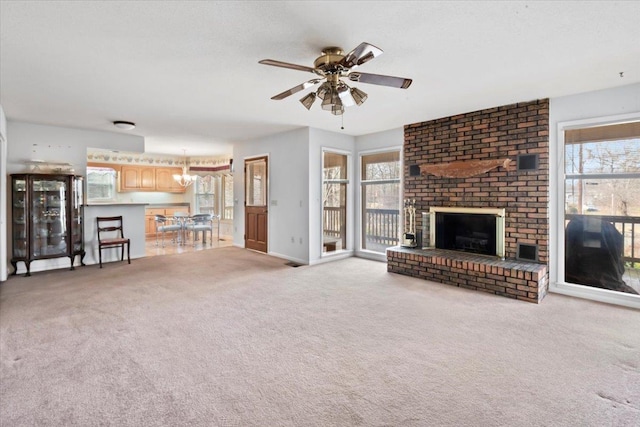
113, 184
347, 244
361, 196
557, 282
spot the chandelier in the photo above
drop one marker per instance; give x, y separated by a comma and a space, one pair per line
335, 95
185, 179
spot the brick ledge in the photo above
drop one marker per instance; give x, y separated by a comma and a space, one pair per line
510, 278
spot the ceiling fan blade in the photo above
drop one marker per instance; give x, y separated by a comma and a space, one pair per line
286, 65
363, 53
296, 89
379, 79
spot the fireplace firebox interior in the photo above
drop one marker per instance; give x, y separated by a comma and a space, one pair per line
466, 232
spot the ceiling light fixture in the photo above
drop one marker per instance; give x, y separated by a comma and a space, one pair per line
185, 179
124, 125
335, 97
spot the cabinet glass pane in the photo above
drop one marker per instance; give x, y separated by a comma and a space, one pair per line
49, 218
19, 218
76, 214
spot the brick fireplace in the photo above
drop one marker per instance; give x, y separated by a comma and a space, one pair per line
515, 132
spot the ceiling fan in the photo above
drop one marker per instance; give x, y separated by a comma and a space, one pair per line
331, 67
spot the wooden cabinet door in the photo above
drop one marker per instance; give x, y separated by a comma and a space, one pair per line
137, 178
149, 225
150, 220
165, 181
129, 178
147, 179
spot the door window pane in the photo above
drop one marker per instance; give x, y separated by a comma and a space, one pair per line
256, 179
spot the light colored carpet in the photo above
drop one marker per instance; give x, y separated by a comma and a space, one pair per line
228, 337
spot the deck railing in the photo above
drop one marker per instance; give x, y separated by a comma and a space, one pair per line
381, 226
333, 221
628, 226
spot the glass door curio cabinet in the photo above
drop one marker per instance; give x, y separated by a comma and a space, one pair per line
46, 218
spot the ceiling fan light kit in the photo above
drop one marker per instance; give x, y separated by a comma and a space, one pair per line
331, 66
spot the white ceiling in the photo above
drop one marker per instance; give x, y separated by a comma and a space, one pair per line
187, 72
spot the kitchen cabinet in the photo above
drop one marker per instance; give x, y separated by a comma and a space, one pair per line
46, 218
165, 181
137, 178
149, 178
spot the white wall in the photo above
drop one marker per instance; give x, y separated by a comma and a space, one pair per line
288, 198
3, 199
64, 145
60, 145
585, 108
295, 191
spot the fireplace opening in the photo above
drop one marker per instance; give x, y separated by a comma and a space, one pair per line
475, 230
466, 232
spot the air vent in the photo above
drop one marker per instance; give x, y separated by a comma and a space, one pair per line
527, 252
414, 170
527, 162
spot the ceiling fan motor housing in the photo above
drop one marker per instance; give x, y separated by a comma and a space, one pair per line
329, 61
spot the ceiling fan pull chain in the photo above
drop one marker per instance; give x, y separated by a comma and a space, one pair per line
342, 127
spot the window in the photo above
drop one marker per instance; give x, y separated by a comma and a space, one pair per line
334, 201
101, 184
206, 191
380, 186
214, 195
227, 197
602, 206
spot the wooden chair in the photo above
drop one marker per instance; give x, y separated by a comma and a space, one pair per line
111, 235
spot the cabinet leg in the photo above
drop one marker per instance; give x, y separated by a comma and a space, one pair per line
28, 265
14, 264
82, 254
72, 258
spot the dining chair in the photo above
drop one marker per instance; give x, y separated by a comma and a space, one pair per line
202, 223
166, 225
181, 218
111, 235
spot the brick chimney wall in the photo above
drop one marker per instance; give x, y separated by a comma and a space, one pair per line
494, 133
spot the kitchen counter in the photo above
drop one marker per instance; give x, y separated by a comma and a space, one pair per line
166, 205
114, 204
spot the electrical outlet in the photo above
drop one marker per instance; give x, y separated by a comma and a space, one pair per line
293, 239
301, 240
